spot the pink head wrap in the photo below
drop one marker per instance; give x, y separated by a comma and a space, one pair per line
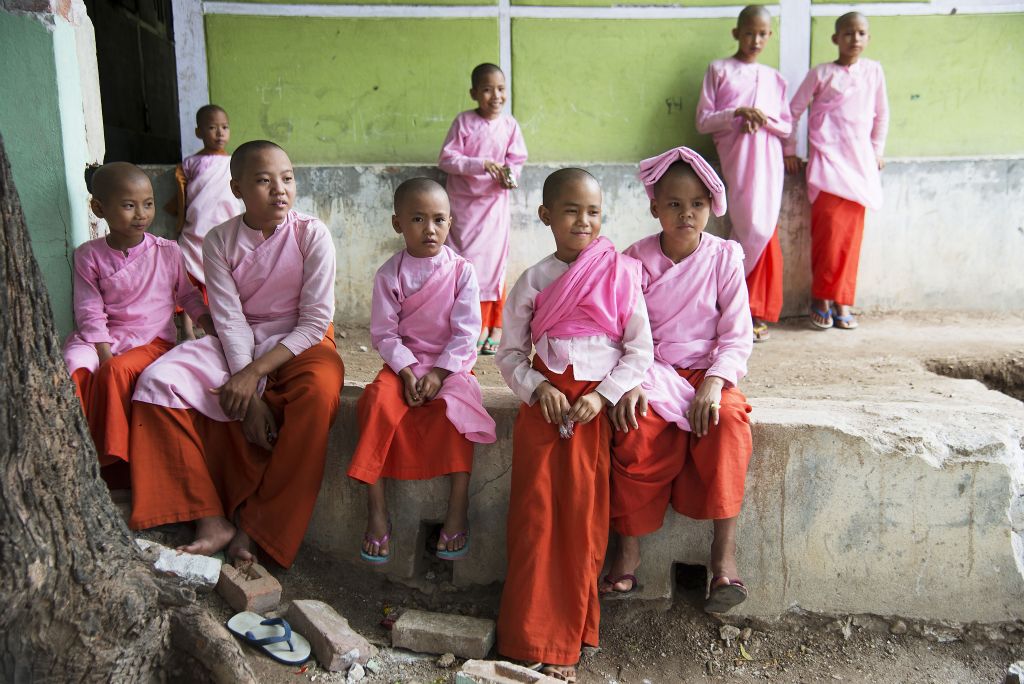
654, 168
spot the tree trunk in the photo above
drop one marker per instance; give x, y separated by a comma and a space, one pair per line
76, 602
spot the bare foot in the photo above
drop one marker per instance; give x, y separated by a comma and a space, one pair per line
625, 562
565, 673
374, 542
212, 535
723, 549
457, 519
824, 306
241, 547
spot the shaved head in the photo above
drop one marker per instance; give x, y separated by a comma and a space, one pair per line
417, 186
849, 18
483, 70
206, 111
241, 156
115, 176
752, 12
679, 169
555, 184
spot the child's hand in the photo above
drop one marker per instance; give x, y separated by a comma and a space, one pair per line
705, 407
412, 394
793, 163
235, 394
753, 117
103, 351
496, 171
553, 404
430, 384
881, 163
206, 323
259, 426
586, 408
623, 414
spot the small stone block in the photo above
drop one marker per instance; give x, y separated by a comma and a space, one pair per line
201, 572
498, 672
466, 637
336, 645
1015, 673
250, 587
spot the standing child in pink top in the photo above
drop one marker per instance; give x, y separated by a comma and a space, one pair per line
847, 125
692, 450
126, 287
421, 416
483, 156
204, 198
743, 106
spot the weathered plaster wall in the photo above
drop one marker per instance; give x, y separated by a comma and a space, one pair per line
43, 126
951, 236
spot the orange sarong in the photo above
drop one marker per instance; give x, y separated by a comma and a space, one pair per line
491, 312
186, 466
837, 228
404, 443
557, 532
658, 464
764, 283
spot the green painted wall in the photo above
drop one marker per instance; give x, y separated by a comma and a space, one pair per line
614, 90
348, 90
955, 100
32, 122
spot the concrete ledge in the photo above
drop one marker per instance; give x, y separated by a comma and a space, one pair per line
911, 508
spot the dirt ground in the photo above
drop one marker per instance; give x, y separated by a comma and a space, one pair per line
888, 356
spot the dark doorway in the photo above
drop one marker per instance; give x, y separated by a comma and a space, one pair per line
138, 79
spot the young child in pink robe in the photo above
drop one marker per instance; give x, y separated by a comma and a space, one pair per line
846, 127
126, 287
232, 431
421, 416
743, 106
692, 449
204, 197
483, 156
582, 314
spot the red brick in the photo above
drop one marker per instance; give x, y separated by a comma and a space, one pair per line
250, 588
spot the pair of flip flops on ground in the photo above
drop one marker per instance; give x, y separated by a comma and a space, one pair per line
487, 347
273, 636
832, 319
443, 554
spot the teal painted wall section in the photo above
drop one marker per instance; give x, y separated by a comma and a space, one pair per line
959, 97
348, 90
614, 90
34, 96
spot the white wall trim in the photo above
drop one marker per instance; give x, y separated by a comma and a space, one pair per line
350, 11
908, 9
543, 12
505, 47
190, 61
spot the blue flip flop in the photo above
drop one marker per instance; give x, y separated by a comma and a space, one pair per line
376, 560
274, 637
827, 315
848, 322
444, 554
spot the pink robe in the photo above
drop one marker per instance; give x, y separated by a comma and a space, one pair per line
700, 318
263, 292
127, 301
208, 203
481, 211
413, 298
751, 162
847, 125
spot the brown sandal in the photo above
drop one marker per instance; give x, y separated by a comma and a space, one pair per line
725, 596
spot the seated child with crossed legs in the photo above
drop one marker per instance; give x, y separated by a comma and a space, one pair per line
693, 449
421, 416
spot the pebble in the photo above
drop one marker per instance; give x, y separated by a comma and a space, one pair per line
746, 634
898, 627
363, 348
728, 632
355, 673
373, 666
447, 660
431, 576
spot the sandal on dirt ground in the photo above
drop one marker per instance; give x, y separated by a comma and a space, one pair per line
563, 673
274, 637
490, 347
847, 322
445, 554
761, 333
826, 315
725, 594
612, 581
376, 560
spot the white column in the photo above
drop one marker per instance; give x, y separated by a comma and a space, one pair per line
190, 57
795, 54
505, 46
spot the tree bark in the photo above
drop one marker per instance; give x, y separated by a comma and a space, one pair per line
76, 602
